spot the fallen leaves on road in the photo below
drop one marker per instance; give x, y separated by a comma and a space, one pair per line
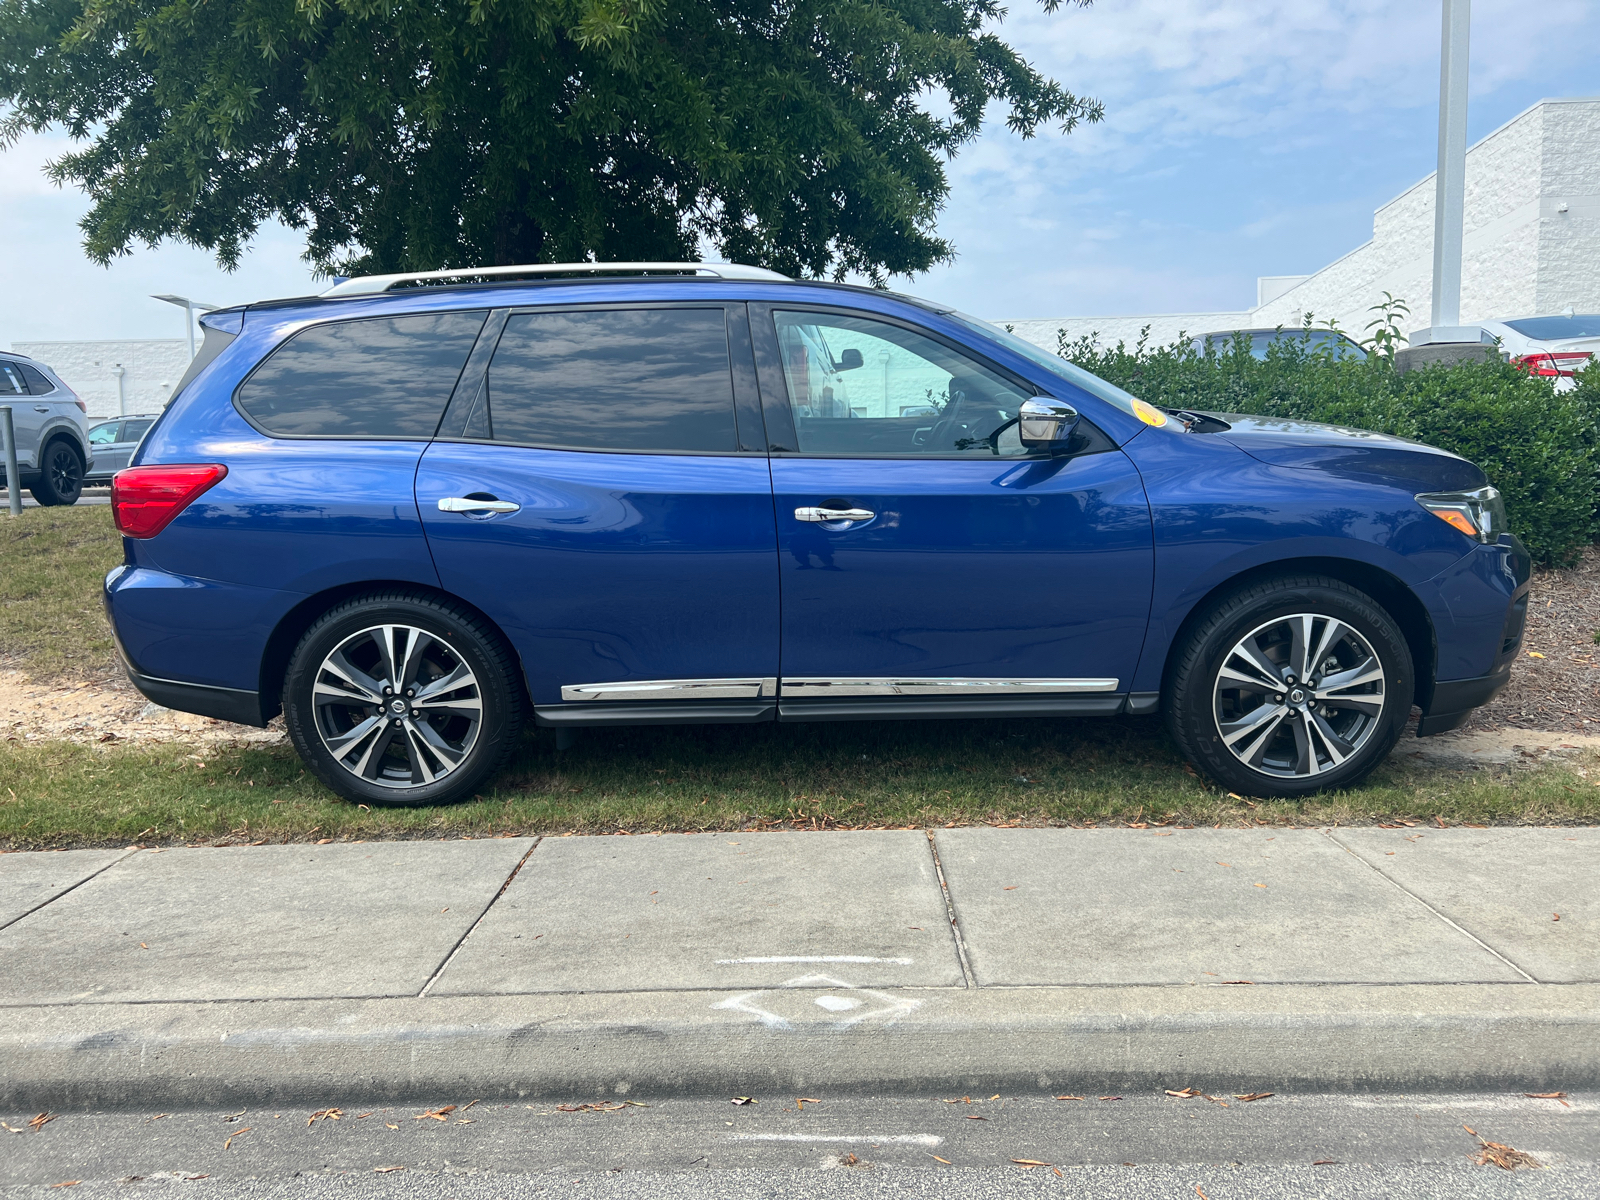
11, 1129
1030, 1162
1069, 1097
801, 1102
1325, 1162
388, 1126
975, 1117
1183, 1095
744, 1099
1245, 982
606, 1106
1199, 1193
1249, 1096
228, 1145
325, 1114
1499, 1154
385, 1170
67, 1183
1561, 1096
1111, 1097
437, 1114
41, 1121
936, 1158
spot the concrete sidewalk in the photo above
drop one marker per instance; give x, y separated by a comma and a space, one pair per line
868, 962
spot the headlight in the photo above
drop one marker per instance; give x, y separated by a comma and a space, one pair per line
1481, 514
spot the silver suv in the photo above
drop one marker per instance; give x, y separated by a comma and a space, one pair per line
52, 430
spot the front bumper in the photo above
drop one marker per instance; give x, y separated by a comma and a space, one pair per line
1487, 599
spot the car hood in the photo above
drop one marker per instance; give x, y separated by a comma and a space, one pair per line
1352, 453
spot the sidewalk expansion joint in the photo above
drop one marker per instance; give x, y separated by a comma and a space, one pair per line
129, 853
462, 940
950, 912
1383, 875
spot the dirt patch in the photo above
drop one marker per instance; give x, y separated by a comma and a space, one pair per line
108, 711
1560, 689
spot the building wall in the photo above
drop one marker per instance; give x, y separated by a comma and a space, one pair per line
151, 369
1521, 255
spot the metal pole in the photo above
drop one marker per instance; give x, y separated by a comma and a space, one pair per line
1450, 184
13, 476
122, 399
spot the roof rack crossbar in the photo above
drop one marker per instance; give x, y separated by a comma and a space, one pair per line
376, 285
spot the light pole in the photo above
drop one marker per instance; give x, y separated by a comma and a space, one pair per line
190, 307
1450, 182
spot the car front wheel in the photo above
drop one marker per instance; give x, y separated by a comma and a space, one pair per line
402, 699
1291, 686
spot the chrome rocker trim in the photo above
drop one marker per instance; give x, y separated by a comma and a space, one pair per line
672, 689
797, 688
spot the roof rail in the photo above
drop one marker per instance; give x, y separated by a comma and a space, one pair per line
376, 285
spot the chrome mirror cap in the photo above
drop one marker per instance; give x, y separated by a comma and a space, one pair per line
1044, 421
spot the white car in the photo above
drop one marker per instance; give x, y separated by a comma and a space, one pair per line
1554, 347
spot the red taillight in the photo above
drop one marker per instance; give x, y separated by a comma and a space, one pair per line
144, 500
1551, 364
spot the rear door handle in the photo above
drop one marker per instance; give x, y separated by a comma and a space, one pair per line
465, 504
819, 515
43, 408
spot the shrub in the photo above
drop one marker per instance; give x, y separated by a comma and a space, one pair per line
1540, 447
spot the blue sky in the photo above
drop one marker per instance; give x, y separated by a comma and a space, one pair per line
1242, 138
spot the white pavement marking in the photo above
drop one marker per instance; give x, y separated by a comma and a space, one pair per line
814, 958
893, 1139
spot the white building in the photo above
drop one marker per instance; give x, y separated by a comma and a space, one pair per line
145, 371
1532, 244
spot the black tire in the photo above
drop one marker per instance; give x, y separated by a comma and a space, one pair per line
1223, 712
60, 474
438, 753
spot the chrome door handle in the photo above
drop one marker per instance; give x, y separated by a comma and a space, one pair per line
44, 408
819, 515
463, 504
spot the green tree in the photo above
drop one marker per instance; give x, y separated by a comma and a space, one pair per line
805, 135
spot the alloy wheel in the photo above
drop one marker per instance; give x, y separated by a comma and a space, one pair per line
397, 706
66, 475
1298, 696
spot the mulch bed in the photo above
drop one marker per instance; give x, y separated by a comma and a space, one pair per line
1561, 689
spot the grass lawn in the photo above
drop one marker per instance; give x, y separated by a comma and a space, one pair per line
1113, 771
932, 773
52, 561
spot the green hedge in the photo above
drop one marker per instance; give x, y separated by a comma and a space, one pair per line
1540, 447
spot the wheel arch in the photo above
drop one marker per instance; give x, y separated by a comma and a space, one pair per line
1398, 600
292, 626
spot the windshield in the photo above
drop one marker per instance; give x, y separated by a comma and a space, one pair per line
1055, 364
1557, 329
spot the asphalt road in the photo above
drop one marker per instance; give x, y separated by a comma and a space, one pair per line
1134, 1147
99, 495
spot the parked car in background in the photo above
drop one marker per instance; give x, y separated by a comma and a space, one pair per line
1314, 341
112, 443
52, 427
417, 511
1554, 347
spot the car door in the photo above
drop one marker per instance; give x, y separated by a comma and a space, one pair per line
103, 441
121, 451
600, 489
930, 563
27, 416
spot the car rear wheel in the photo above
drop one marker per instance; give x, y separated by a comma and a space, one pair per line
400, 699
60, 475
1291, 686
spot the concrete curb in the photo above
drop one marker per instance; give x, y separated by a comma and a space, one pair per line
780, 1042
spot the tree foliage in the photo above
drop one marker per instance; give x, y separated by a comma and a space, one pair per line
806, 135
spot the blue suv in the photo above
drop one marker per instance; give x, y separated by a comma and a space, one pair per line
417, 511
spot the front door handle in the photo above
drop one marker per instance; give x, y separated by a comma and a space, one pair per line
817, 516
466, 504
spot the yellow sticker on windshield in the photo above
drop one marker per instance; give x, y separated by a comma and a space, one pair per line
1149, 413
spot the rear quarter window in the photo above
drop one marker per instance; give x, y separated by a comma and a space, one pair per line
378, 377
39, 384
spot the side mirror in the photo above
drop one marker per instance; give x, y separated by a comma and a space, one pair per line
849, 360
1043, 422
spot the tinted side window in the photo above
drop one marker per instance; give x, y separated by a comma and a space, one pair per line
38, 384
383, 377
626, 379
134, 430
11, 382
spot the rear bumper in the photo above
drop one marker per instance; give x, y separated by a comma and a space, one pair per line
225, 704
